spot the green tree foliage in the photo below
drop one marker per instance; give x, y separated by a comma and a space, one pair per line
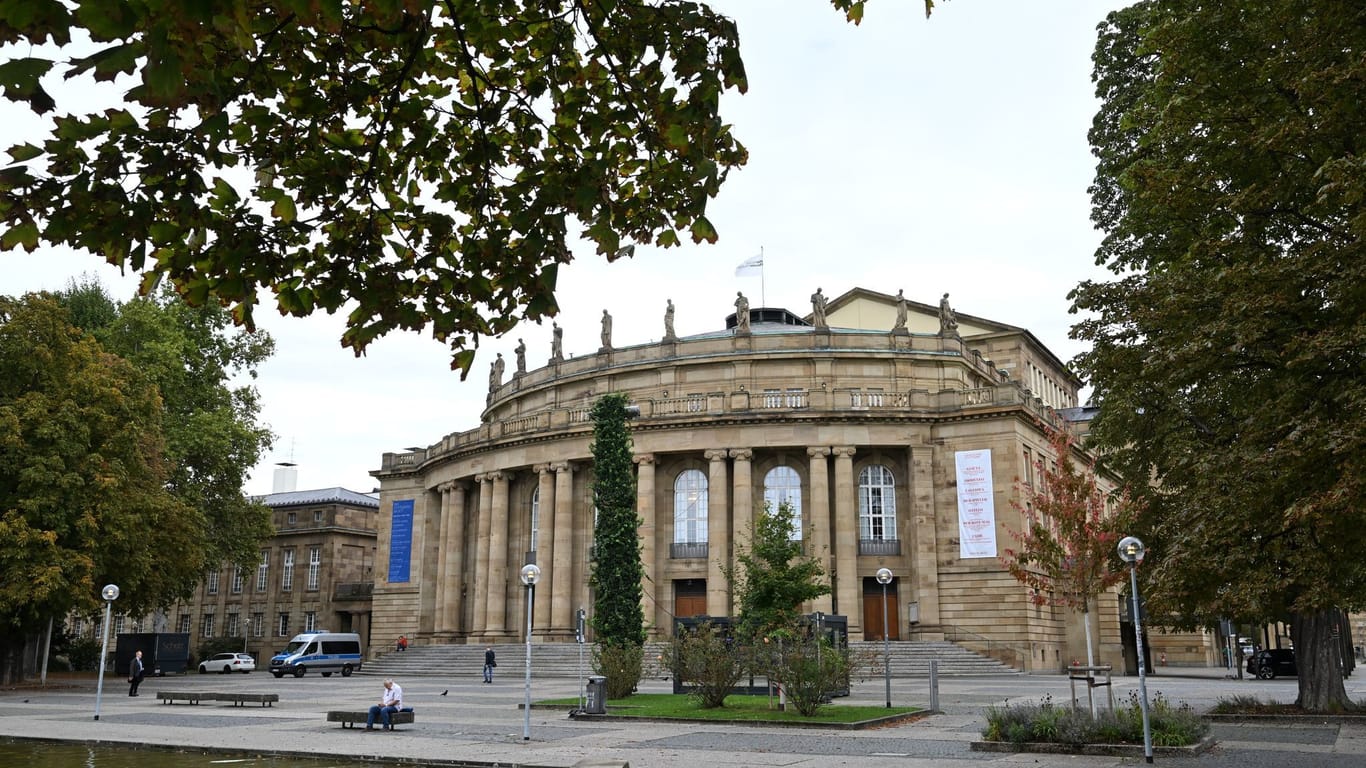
425, 161
209, 419
773, 578
618, 621
83, 479
1229, 353
1066, 553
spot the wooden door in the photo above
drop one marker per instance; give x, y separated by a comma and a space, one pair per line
872, 611
690, 597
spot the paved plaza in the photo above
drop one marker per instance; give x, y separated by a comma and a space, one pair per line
482, 725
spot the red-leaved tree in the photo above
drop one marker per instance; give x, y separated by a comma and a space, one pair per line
1066, 551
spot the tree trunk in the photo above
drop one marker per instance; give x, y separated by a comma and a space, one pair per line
1318, 662
1090, 654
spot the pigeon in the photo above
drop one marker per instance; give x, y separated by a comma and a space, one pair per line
443, 693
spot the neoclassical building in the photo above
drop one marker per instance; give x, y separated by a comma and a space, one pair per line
898, 431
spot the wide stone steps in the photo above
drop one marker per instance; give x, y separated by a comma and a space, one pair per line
554, 660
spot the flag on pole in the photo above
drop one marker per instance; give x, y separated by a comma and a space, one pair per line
752, 266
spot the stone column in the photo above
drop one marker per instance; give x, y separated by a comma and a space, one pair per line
481, 556
718, 535
453, 555
742, 499
497, 596
439, 623
545, 549
925, 543
848, 588
562, 583
645, 507
818, 508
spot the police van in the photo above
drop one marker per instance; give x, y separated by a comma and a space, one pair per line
324, 652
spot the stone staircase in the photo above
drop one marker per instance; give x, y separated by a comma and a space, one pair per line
561, 660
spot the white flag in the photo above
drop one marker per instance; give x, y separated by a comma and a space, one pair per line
750, 267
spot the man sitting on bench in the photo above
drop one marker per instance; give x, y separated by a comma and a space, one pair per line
389, 703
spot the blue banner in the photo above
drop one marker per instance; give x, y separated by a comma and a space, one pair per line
400, 541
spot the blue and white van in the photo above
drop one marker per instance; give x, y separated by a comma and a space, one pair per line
324, 652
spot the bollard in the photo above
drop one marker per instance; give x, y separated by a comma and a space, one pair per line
934, 685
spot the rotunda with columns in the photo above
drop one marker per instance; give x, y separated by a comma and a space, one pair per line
897, 430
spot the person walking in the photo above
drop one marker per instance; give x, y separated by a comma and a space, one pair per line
389, 703
136, 671
489, 664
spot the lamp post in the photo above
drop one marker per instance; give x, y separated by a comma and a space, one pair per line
1131, 551
531, 573
110, 593
884, 577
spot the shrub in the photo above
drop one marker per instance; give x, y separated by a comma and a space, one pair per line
1171, 725
709, 661
809, 670
620, 664
83, 653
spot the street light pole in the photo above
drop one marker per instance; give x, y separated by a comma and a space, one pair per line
1131, 550
530, 574
884, 577
110, 593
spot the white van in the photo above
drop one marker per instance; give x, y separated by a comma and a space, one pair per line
324, 652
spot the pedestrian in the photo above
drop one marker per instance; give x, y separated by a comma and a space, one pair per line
402, 644
136, 671
489, 664
389, 703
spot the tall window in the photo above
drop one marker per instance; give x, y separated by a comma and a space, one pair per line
263, 571
211, 583
282, 629
118, 625
535, 519
237, 580
310, 621
690, 507
315, 564
231, 629
206, 626
783, 485
183, 624
258, 624
287, 571
876, 504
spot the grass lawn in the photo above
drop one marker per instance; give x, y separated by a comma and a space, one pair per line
737, 708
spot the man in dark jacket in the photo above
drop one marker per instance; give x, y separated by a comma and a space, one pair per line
489, 664
135, 673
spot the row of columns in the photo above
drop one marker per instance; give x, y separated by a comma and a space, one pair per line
730, 517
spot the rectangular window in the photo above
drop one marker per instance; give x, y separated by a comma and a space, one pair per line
258, 624
282, 629
183, 624
232, 628
118, 625
1028, 468
310, 621
317, 515
287, 571
211, 583
263, 571
206, 626
237, 580
291, 518
315, 564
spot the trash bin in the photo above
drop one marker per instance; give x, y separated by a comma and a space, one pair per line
597, 696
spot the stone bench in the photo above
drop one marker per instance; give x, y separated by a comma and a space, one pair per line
349, 718
241, 699
192, 697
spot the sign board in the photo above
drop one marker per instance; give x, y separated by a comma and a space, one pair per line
400, 541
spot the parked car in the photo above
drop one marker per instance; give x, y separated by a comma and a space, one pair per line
228, 662
1272, 662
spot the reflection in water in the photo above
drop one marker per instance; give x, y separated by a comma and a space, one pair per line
47, 755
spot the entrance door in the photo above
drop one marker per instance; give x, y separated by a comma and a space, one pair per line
872, 610
690, 597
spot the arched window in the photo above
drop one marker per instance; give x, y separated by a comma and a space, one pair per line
690, 507
876, 504
535, 518
782, 485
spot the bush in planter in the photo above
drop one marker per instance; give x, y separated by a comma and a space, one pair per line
1171, 725
621, 665
712, 662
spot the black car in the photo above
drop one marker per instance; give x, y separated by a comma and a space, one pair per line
1270, 663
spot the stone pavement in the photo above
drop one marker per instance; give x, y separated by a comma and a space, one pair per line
482, 725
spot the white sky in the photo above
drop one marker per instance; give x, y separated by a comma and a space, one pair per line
936, 155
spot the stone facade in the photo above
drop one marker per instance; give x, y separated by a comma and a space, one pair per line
315, 573
858, 423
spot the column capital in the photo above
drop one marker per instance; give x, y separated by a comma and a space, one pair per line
818, 452
501, 476
716, 455
644, 459
481, 478
543, 469
843, 451
452, 485
741, 454
562, 466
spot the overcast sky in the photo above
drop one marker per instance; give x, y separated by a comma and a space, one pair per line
936, 155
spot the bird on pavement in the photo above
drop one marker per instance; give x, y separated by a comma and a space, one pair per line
443, 693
